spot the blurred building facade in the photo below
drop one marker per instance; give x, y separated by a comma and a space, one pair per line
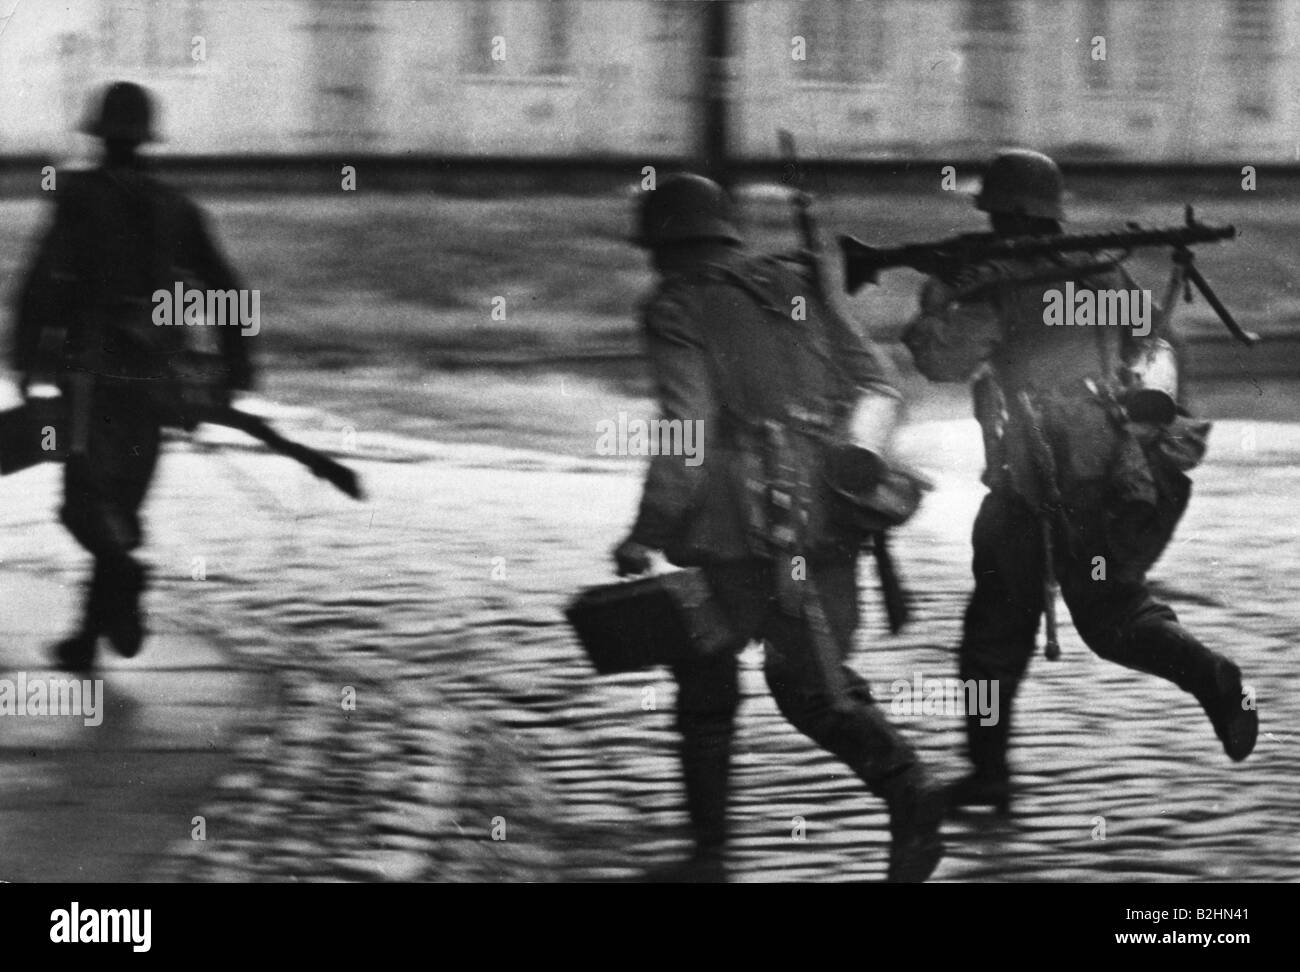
1187, 81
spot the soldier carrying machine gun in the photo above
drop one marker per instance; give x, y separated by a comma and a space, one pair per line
1088, 445
947, 258
952, 259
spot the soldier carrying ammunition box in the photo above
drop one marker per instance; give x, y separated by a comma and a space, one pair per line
759, 514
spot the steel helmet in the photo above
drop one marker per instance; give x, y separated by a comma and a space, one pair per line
1022, 182
1150, 378
857, 461
125, 114
685, 208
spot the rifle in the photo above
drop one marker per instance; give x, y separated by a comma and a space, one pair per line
23, 438
199, 398
803, 217
945, 258
891, 585
318, 464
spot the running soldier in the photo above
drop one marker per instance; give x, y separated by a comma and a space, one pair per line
1074, 478
727, 351
85, 321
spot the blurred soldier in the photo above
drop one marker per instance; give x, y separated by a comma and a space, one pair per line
727, 351
85, 321
1062, 449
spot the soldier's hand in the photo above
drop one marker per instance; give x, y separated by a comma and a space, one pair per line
633, 558
936, 297
969, 280
29, 380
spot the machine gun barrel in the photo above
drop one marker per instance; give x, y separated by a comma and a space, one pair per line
862, 263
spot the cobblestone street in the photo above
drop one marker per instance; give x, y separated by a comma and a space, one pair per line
437, 603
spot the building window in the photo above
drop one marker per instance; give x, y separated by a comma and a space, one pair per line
535, 38
483, 22
1252, 29
993, 82
557, 27
1151, 38
151, 34
994, 16
1096, 23
343, 41
845, 40
674, 19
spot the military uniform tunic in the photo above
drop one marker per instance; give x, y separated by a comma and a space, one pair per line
85, 318
726, 350
1122, 489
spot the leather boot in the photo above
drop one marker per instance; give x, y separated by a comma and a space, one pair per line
76, 653
978, 789
1236, 726
706, 766
706, 866
916, 804
989, 784
121, 582
1169, 650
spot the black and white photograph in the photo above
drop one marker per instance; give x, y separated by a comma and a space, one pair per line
651, 441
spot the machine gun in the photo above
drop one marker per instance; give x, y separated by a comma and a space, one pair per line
946, 258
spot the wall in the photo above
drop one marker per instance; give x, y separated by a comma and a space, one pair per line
1185, 81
